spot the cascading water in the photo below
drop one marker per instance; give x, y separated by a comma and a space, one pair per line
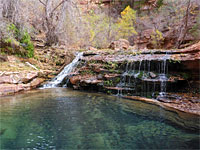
66, 71
122, 81
163, 76
145, 77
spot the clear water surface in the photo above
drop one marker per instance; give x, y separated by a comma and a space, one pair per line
64, 119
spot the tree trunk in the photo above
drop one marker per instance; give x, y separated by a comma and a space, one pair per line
51, 37
185, 26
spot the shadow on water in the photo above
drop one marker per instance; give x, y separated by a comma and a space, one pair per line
63, 119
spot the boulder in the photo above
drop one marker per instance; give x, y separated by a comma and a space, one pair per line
143, 40
193, 48
6, 89
36, 82
152, 75
75, 79
121, 44
92, 48
3, 58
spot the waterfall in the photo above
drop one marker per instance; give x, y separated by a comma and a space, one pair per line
66, 71
163, 76
145, 77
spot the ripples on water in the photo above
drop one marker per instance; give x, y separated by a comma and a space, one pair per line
63, 119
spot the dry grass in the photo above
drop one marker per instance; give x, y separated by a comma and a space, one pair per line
14, 67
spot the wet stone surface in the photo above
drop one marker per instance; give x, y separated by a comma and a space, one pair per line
151, 74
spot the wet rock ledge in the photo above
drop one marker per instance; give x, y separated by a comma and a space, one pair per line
167, 77
17, 74
13, 82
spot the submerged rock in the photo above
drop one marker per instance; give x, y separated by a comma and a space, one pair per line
2, 131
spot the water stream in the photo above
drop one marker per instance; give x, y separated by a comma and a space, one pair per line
145, 77
66, 71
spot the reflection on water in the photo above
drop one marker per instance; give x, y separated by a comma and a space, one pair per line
64, 119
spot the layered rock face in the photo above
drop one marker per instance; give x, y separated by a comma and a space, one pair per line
176, 62
21, 79
164, 75
12, 87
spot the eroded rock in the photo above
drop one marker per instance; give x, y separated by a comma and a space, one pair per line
75, 79
111, 76
6, 89
120, 44
17, 77
13, 82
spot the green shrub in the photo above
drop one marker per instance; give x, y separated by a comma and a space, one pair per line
8, 40
19, 37
26, 39
14, 30
108, 83
157, 39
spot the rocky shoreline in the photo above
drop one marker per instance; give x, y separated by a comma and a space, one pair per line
102, 70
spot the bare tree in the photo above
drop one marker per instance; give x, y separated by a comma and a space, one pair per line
184, 30
11, 10
50, 17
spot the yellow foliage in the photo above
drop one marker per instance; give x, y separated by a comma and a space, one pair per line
100, 29
157, 39
126, 22
159, 35
98, 26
